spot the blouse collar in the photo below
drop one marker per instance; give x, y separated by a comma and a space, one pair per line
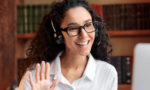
55, 68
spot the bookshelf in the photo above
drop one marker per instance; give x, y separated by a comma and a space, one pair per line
26, 36
124, 86
127, 33
130, 37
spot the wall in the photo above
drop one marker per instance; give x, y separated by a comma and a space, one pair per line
125, 45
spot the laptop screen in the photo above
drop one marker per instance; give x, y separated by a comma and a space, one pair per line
141, 67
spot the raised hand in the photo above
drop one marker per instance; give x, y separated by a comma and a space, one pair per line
42, 78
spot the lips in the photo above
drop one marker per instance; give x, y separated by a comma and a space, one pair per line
82, 43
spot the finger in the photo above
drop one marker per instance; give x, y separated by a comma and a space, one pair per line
31, 79
47, 72
54, 84
42, 76
37, 73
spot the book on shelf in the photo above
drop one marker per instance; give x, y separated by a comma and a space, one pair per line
116, 62
29, 17
40, 12
114, 16
126, 68
26, 18
20, 20
35, 18
135, 16
139, 11
123, 68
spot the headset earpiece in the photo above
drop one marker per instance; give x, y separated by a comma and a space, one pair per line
98, 36
96, 33
59, 39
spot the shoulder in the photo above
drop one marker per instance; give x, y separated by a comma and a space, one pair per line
24, 83
106, 73
105, 67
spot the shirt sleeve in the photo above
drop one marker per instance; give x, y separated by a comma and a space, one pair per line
113, 84
24, 83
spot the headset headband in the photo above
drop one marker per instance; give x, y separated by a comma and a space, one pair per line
53, 26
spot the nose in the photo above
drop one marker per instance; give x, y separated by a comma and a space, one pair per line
83, 33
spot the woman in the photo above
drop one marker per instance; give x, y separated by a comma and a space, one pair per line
73, 40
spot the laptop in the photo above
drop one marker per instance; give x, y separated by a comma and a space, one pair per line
141, 67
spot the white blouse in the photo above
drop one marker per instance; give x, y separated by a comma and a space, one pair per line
98, 75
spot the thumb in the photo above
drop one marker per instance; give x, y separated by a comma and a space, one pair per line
54, 84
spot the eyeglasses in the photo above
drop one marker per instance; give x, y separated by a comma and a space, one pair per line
75, 30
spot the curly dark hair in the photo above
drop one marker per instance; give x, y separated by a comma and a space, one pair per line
44, 47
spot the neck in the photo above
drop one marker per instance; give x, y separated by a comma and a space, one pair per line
73, 61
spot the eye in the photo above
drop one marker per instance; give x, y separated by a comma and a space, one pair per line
72, 28
88, 25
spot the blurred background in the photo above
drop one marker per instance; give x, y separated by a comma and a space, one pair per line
128, 24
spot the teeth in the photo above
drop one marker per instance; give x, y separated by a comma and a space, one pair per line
84, 43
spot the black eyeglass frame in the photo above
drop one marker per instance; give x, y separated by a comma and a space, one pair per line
80, 27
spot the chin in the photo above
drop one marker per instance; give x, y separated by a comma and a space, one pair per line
84, 53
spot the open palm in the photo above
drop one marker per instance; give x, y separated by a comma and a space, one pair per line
42, 77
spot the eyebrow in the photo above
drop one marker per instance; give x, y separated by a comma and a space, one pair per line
76, 23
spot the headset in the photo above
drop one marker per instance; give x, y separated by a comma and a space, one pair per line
98, 34
60, 40
57, 35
